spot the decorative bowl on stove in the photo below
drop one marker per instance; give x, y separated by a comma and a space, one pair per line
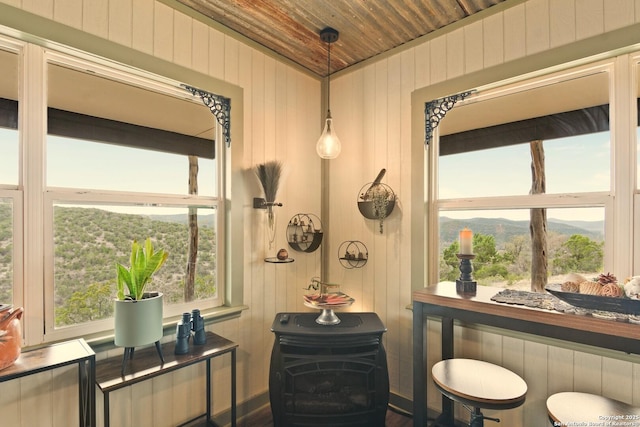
328, 300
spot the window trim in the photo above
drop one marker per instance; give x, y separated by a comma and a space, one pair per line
619, 209
15, 196
31, 39
54, 195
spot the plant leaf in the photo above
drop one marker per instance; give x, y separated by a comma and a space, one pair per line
144, 263
124, 277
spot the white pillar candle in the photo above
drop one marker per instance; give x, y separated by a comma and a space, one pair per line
466, 242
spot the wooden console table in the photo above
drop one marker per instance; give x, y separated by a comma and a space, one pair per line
443, 301
146, 365
56, 356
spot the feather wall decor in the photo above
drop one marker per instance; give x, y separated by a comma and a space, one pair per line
269, 174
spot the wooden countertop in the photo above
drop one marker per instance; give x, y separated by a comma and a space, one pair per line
49, 357
444, 295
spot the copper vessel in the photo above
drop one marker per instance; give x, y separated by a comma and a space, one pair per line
10, 335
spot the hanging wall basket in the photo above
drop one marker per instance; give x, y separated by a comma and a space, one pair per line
304, 232
376, 200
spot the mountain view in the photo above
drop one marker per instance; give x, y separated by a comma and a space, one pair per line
504, 230
89, 242
503, 254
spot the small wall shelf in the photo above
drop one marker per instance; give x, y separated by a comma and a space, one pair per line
353, 254
304, 232
276, 260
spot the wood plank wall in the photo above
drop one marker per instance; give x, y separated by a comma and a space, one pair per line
371, 109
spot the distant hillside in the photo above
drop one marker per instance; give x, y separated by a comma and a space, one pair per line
204, 219
89, 242
504, 229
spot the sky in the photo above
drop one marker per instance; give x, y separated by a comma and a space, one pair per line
576, 164
108, 167
572, 165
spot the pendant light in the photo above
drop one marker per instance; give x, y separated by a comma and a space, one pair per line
328, 145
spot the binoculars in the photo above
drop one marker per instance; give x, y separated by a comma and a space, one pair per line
190, 322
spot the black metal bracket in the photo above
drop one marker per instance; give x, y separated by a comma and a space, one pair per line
219, 106
260, 203
435, 110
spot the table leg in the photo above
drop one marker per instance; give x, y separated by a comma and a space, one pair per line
233, 388
106, 408
92, 391
208, 363
86, 392
447, 353
419, 366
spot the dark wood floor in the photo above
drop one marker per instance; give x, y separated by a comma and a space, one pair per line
262, 418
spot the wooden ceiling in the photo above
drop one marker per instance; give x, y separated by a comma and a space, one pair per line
292, 28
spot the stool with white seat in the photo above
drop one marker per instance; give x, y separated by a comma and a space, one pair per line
479, 385
575, 408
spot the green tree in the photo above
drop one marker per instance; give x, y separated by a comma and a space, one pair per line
484, 247
449, 262
92, 303
488, 263
579, 254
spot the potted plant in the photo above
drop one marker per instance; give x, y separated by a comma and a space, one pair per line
138, 314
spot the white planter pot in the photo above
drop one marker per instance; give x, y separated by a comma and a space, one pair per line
138, 323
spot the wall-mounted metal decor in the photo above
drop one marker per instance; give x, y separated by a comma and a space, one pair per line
353, 254
219, 106
304, 232
435, 110
376, 200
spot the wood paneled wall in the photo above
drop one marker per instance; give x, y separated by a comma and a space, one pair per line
281, 121
372, 115
371, 108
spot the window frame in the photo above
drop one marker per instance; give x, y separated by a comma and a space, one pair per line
634, 70
15, 196
602, 199
29, 213
618, 202
14, 192
54, 195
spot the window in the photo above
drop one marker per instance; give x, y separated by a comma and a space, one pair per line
531, 156
95, 153
636, 204
127, 157
637, 123
10, 196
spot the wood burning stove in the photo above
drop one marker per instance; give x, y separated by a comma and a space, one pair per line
328, 375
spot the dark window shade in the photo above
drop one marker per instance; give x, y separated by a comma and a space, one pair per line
8, 113
561, 125
81, 126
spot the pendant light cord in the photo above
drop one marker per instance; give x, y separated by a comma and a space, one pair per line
329, 78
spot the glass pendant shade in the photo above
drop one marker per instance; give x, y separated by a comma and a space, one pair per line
328, 145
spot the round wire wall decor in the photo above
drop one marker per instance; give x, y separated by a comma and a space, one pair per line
353, 254
304, 232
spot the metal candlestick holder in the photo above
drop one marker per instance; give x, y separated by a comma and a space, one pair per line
465, 283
